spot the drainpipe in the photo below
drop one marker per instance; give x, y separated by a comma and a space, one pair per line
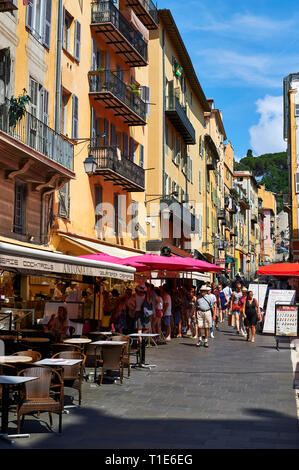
58, 67
164, 108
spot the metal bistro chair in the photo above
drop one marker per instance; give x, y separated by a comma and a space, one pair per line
125, 351
112, 360
36, 397
35, 355
73, 375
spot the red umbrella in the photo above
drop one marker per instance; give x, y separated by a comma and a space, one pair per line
279, 269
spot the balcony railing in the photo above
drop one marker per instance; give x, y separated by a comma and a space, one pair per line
37, 135
146, 11
177, 115
118, 169
119, 96
107, 20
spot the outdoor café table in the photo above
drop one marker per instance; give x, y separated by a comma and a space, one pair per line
144, 337
59, 363
78, 341
105, 343
6, 381
14, 359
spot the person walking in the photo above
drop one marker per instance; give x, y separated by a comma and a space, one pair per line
215, 316
235, 306
167, 307
205, 313
177, 302
222, 304
251, 313
158, 311
228, 292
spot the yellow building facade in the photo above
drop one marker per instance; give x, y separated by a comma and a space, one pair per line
175, 188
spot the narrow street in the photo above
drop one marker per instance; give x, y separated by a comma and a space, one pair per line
233, 395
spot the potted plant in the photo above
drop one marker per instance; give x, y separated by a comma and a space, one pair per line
17, 108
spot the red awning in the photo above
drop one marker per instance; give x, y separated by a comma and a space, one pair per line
279, 269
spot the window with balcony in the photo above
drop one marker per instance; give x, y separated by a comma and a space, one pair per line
71, 35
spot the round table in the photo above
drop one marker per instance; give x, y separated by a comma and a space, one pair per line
14, 359
79, 341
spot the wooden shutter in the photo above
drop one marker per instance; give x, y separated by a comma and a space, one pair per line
297, 183
47, 24
145, 96
113, 138
125, 145
64, 202
93, 130
94, 55
98, 196
132, 150
45, 106
29, 16
106, 132
77, 48
141, 156
75, 117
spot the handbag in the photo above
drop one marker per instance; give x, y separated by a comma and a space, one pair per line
147, 311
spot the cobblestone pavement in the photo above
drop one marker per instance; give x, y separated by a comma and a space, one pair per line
234, 394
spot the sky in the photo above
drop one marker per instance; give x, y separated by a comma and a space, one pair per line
241, 51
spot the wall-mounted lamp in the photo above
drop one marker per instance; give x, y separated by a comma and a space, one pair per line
90, 165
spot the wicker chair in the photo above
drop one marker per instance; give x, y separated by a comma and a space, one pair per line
112, 360
37, 395
125, 351
73, 375
35, 355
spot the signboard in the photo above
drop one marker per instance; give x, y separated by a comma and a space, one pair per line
286, 320
259, 293
276, 296
220, 261
34, 264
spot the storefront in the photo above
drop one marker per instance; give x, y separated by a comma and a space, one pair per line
33, 283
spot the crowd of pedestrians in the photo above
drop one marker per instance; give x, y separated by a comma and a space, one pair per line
172, 312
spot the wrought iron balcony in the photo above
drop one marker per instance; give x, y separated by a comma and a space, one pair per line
118, 169
38, 136
146, 11
115, 30
7, 5
178, 117
116, 95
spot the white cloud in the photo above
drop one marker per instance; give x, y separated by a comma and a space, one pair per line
266, 136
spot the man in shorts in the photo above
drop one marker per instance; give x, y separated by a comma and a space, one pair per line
205, 312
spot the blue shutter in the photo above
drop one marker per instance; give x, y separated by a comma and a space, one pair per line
46, 107
77, 47
141, 156
29, 16
98, 196
47, 24
93, 131
75, 118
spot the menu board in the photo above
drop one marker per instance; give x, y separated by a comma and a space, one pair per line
276, 296
286, 320
259, 293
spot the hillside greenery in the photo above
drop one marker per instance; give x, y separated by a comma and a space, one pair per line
270, 170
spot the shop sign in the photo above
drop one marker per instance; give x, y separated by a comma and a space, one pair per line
220, 261
16, 262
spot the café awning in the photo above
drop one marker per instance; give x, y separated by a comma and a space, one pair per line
23, 259
279, 269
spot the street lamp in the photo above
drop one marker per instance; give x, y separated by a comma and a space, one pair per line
90, 165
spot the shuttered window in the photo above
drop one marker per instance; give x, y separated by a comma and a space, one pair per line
64, 202
75, 117
141, 156
132, 150
77, 46
47, 23
98, 195
19, 208
125, 145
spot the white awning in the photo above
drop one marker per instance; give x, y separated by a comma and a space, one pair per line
21, 258
102, 248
